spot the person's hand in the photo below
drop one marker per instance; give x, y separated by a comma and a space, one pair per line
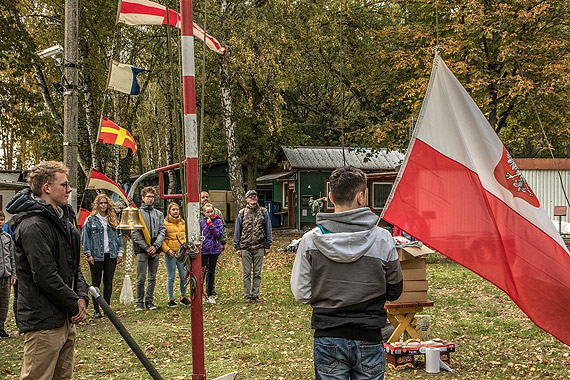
223, 247
266, 251
82, 307
12, 281
170, 253
238, 252
151, 250
119, 259
90, 260
209, 220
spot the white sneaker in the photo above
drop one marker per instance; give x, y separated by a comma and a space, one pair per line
211, 300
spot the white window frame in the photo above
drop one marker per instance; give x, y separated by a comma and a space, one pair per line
329, 206
285, 195
372, 195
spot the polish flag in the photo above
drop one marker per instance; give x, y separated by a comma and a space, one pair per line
145, 12
99, 180
461, 193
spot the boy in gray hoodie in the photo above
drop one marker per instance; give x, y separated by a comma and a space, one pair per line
346, 268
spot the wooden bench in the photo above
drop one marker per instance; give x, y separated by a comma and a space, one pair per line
401, 315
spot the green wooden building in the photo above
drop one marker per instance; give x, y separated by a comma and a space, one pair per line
301, 175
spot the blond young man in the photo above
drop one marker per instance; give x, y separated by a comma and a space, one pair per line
52, 295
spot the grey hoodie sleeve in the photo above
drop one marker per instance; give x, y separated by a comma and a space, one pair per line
12, 260
301, 273
394, 278
138, 239
161, 232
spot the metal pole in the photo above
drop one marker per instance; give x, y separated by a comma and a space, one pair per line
70, 105
192, 184
124, 333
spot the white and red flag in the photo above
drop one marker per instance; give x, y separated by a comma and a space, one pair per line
461, 193
99, 180
145, 12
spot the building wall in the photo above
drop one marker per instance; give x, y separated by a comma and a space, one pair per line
6, 196
546, 185
311, 184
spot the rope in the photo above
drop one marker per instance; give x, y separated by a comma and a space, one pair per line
438, 49
202, 91
341, 54
546, 139
129, 255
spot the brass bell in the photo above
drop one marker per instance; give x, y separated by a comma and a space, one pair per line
130, 219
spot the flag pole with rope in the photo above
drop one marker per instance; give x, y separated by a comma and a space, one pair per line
192, 186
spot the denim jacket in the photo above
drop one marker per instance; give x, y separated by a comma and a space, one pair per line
92, 239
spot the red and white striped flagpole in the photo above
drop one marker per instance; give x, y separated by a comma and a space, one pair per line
192, 184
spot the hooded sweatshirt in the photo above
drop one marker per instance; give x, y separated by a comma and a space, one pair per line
346, 268
47, 262
154, 221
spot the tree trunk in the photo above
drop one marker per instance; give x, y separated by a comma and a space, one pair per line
48, 101
116, 149
234, 161
90, 118
251, 175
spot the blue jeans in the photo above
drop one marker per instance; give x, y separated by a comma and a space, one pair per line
171, 264
343, 359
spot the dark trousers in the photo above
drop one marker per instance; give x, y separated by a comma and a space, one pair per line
209, 261
15, 304
4, 299
106, 270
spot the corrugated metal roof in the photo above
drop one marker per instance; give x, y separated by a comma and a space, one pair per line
270, 177
332, 158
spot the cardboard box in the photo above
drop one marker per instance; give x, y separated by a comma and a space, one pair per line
412, 296
414, 274
217, 196
232, 215
229, 196
413, 264
221, 206
411, 253
416, 286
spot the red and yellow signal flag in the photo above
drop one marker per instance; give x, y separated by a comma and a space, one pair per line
111, 133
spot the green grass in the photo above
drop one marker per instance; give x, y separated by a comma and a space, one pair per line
273, 340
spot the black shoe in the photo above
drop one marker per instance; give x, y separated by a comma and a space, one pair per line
172, 303
4, 334
151, 306
97, 314
185, 301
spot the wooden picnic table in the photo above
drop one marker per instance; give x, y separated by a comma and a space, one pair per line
401, 315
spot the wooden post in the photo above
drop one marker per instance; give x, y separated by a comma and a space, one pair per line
70, 105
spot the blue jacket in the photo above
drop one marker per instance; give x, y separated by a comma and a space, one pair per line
92, 239
212, 234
